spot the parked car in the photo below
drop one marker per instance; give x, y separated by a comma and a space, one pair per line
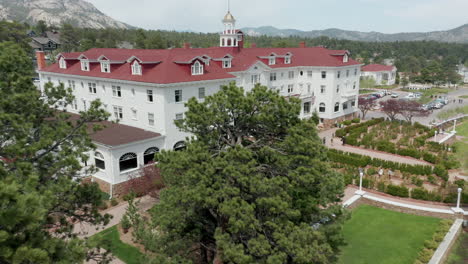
438, 105
443, 101
410, 96
394, 95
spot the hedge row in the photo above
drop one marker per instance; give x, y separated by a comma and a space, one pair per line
344, 131
362, 161
431, 245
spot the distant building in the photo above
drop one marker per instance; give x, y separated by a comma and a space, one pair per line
382, 74
48, 42
463, 71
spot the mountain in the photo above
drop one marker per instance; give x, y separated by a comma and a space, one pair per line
459, 35
55, 12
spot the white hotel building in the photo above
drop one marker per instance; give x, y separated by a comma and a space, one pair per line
146, 89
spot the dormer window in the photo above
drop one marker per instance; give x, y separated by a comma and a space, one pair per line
105, 66
287, 59
197, 68
62, 63
227, 63
272, 61
345, 58
136, 68
84, 65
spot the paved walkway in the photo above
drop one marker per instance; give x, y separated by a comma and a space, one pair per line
367, 152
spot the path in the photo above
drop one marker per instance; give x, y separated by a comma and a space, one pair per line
86, 230
367, 152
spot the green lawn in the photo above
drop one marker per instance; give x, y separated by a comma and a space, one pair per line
462, 129
365, 91
463, 97
110, 240
459, 254
446, 114
378, 236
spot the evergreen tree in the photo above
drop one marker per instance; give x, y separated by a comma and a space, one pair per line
253, 187
40, 153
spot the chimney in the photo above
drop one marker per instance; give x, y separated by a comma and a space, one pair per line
302, 44
253, 45
40, 57
186, 45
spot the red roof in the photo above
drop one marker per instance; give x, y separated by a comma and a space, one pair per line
171, 65
377, 68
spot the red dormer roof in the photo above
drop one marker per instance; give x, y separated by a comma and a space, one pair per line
377, 68
163, 66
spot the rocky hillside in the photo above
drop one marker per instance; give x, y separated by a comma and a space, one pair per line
55, 12
458, 35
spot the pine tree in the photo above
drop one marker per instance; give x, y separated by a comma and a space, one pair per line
40, 153
253, 186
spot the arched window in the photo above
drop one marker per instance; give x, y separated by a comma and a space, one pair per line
179, 146
62, 63
197, 68
128, 161
337, 107
99, 160
136, 68
148, 156
322, 107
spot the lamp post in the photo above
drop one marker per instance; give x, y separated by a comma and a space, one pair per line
454, 126
458, 209
435, 136
361, 174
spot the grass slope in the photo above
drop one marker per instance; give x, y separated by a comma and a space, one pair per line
378, 236
459, 254
110, 240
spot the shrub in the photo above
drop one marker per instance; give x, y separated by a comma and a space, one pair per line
346, 122
114, 202
429, 157
356, 120
420, 194
441, 171
381, 186
371, 171
425, 255
410, 152
386, 146
395, 190
125, 223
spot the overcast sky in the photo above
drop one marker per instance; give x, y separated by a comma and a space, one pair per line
388, 16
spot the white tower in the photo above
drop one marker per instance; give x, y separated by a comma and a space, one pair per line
230, 37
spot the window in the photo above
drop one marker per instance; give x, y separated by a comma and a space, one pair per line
324, 74
309, 74
197, 68
99, 161
75, 104
355, 72
291, 75
85, 65
338, 75
149, 95
338, 88
92, 88
133, 91
254, 79
128, 161
84, 105
354, 85
151, 119
272, 76
290, 88
287, 60
136, 68
116, 91
345, 105
345, 58
118, 112
148, 156
49, 79
337, 107
134, 114
178, 96
353, 103
62, 63
347, 73
201, 92
322, 107
322, 89
309, 88
105, 66
179, 116
179, 146
272, 61
227, 63
71, 84
306, 107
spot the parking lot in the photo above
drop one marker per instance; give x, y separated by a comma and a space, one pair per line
398, 94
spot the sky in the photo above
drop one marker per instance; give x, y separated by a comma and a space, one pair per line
387, 16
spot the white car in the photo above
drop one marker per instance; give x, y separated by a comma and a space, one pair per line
394, 95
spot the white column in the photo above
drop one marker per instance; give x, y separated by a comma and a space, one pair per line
459, 198
454, 126
361, 175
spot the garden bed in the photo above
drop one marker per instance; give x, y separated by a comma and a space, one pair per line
389, 237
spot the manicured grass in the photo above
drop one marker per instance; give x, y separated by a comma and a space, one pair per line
459, 254
110, 240
461, 154
375, 235
364, 91
453, 112
462, 129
